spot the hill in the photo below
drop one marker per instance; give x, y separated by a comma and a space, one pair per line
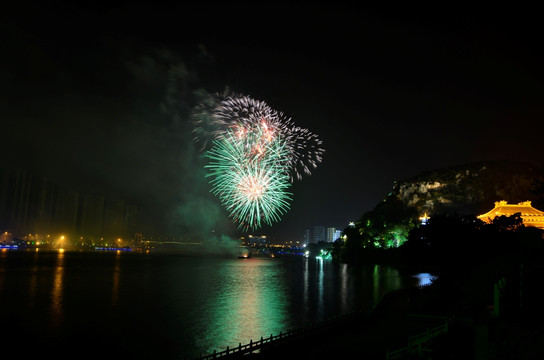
471, 188
463, 190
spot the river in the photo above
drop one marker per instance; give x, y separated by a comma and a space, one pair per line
160, 306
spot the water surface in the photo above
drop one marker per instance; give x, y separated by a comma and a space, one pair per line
171, 306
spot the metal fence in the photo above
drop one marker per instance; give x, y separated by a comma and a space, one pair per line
256, 346
416, 342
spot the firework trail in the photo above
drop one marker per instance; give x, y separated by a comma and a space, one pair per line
254, 153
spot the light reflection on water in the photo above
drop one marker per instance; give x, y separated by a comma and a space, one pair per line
424, 279
57, 292
116, 277
181, 307
249, 302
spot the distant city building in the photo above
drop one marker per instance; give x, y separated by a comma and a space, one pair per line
254, 241
529, 215
333, 234
316, 234
330, 234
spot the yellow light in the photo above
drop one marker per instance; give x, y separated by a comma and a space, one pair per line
424, 219
61, 250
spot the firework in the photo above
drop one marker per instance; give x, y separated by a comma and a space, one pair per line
250, 177
305, 152
256, 152
220, 112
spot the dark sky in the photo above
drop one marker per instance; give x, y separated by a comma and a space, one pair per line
100, 97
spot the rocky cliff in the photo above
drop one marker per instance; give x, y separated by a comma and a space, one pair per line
471, 188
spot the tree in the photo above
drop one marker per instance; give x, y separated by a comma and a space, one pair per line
507, 223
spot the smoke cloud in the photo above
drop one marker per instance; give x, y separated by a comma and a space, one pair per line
114, 120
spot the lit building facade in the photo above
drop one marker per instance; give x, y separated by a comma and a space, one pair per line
333, 234
254, 241
529, 215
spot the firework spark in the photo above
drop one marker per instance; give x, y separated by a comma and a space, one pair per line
256, 153
250, 177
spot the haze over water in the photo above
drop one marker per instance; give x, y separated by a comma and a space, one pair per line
170, 306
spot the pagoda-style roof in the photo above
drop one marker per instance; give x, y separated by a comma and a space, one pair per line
530, 215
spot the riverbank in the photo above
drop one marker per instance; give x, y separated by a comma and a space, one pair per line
488, 311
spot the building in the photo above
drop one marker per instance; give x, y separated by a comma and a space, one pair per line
333, 234
306, 237
330, 234
254, 241
529, 215
316, 234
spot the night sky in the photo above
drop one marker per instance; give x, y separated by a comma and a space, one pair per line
100, 98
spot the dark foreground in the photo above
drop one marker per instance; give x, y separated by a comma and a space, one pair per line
490, 311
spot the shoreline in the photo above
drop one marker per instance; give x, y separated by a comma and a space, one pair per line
463, 302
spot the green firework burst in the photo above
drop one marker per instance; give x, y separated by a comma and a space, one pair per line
249, 173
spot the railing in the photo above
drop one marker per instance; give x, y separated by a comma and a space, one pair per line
241, 350
416, 342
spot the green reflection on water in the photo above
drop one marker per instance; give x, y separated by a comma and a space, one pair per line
250, 302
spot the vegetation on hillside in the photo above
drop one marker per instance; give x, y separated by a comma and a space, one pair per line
451, 198
446, 240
